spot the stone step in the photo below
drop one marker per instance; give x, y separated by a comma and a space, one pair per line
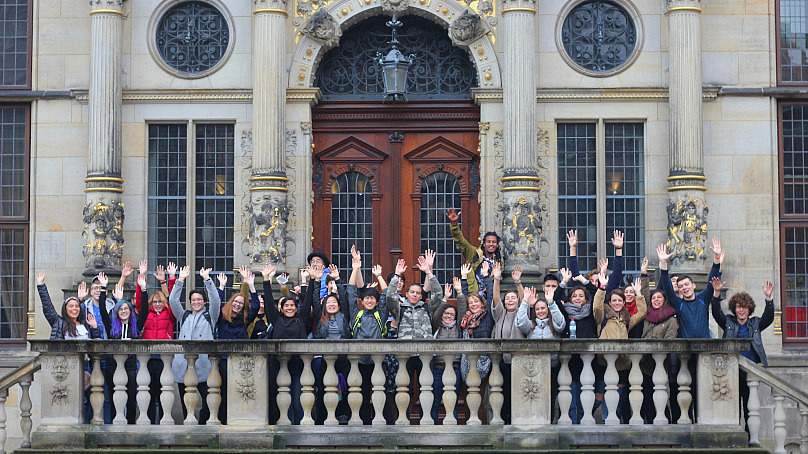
185, 450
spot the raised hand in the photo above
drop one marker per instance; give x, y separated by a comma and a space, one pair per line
663, 255
453, 215
644, 266
603, 265
465, 269
282, 275
171, 269
566, 275
91, 319
248, 277
768, 289
118, 292
637, 285
305, 275
160, 275
548, 295
602, 278
333, 271
356, 258
222, 280
103, 279
204, 273
718, 285
457, 284
244, 271
185, 271
316, 271
377, 270
447, 290
721, 257
429, 255
423, 265
126, 269
572, 238
40, 279
484, 268
497, 271
530, 296
141, 281
268, 271
516, 274
143, 266
716, 247
82, 290
617, 239
401, 267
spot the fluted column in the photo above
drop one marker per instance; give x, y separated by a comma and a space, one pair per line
103, 212
269, 211
522, 215
687, 210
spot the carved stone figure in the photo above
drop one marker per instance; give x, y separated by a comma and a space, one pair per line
522, 228
103, 232
322, 27
269, 216
466, 28
687, 229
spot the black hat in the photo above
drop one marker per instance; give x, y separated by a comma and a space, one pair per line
326, 262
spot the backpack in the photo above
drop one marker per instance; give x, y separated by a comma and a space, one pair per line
187, 313
358, 322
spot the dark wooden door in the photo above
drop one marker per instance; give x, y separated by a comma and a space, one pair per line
384, 175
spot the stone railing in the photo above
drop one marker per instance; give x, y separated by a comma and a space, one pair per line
22, 376
538, 413
780, 390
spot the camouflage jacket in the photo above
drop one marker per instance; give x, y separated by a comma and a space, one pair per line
414, 321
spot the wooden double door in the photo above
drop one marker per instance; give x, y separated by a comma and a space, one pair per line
384, 175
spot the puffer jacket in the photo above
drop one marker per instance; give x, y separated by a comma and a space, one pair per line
195, 326
56, 321
542, 330
414, 321
151, 324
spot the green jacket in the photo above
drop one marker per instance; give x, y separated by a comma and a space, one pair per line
471, 254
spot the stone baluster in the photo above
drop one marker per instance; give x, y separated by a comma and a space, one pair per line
753, 421
330, 382
684, 398
660, 378
214, 397
284, 382
779, 423
25, 409
377, 379
635, 395
402, 392
3, 418
167, 389
307, 394
268, 182
587, 388
564, 395
119, 379
473, 398
612, 396
496, 398
804, 428
191, 397
449, 395
717, 399
355, 390
97, 390
104, 185
143, 396
426, 397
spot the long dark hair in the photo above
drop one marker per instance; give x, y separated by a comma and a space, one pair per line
69, 327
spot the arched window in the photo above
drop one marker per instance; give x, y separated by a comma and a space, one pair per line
351, 221
439, 71
439, 192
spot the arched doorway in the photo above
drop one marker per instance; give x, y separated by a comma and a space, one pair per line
384, 173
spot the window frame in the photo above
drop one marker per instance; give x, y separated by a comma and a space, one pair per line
779, 51
602, 239
29, 50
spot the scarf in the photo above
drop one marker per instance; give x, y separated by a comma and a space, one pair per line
577, 312
661, 314
472, 320
621, 316
448, 325
632, 307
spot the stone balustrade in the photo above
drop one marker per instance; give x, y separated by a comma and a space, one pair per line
544, 383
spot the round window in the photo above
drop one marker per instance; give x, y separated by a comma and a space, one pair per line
192, 38
600, 37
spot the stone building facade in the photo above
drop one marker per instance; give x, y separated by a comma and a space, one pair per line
217, 143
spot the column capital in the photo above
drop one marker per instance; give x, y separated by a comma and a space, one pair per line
692, 6
523, 6
270, 6
106, 7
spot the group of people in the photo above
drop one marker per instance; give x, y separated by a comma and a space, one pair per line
571, 305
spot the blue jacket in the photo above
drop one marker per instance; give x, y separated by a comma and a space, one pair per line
237, 329
756, 324
694, 317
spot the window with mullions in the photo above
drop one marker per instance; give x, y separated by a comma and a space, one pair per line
793, 43
351, 222
439, 192
594, 205
14, 43
211, 231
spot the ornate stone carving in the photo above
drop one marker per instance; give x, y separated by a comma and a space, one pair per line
269, 217
499, 165
683, 3
394, 5
466, 28
687, 228
245, 385
269, 4
522, 228
509, 4
59, 367
719, 365
103, 232
531, 385
246, 141
106, 4
322, 27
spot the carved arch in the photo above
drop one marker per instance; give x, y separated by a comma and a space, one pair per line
453, 170
346, 13
341, 169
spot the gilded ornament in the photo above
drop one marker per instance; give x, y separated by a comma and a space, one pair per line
687, 229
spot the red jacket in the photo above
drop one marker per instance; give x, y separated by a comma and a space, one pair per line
153, 325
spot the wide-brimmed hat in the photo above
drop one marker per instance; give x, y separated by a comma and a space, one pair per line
326, 262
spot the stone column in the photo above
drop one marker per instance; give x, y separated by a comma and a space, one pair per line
687, 210
269, 212
521, 209
104, 212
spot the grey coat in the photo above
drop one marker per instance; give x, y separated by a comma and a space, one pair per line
195, 327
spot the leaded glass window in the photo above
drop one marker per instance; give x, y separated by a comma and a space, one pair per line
793, 40
625, 189
795, 159
795, 239
439, 192
192, 37
577, 191
440, 70
13, 162
13, 288
351, 221
14, 25
599, 35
